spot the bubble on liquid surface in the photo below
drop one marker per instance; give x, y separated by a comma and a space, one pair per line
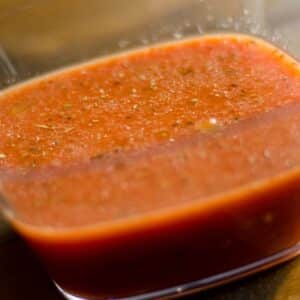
177, 35
145, 41
213, 121
246, 12
123, 43
199, 28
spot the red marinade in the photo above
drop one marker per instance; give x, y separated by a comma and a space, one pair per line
157, 167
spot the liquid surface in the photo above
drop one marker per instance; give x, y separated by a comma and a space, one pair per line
142, 98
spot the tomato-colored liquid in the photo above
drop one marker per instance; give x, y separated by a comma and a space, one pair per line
157, 167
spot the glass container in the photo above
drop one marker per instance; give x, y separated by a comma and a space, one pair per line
37, 37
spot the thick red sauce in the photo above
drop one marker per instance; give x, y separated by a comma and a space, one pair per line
142, 98
157, 167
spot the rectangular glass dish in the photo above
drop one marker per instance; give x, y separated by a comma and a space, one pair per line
201, 221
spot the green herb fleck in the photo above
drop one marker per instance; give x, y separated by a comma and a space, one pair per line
189, 123
163, 134
97, 156
186, 70
67, 105
194, 100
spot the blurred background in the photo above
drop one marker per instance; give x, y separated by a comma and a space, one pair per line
37, 36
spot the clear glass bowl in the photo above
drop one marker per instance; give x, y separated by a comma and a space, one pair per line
38, 37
